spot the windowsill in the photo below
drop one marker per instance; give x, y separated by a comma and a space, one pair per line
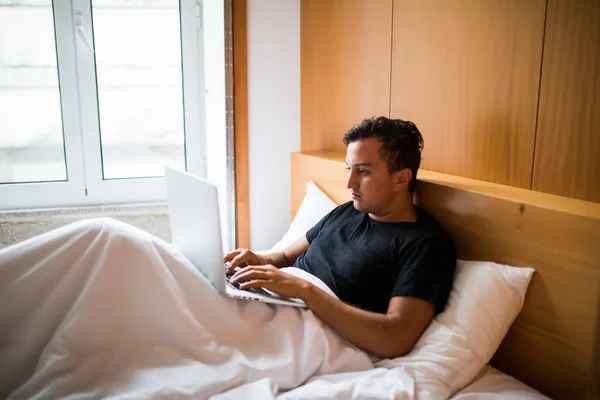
18, 225
87, 211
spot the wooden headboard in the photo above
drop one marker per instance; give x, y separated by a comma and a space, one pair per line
554, 344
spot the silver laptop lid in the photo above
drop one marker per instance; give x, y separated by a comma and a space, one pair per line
195, 223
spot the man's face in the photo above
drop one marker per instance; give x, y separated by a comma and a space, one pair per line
371, 185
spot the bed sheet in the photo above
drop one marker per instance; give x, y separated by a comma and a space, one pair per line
494, 384
99, 309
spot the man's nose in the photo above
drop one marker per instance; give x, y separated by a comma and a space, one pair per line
351, 181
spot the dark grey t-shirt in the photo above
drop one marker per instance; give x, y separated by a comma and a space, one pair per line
366, 262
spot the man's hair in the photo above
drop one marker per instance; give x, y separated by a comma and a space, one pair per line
401, 141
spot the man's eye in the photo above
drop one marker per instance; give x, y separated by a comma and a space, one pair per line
347, 168
363, 171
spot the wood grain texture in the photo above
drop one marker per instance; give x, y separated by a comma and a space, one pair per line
553, 342
345, 67
568, 135
240, 98
467, 73
310, 167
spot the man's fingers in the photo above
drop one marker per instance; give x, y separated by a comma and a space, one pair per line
231, 255
255, 283
245, 268
231, 268
238, 260
228, 269
249, 273
243, 275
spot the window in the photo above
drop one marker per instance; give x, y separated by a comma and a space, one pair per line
31, 149
96, 96
139, 87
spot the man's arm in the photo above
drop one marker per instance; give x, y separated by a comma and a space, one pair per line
388, 336
279, 259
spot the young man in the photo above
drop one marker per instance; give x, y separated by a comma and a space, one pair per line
390, 264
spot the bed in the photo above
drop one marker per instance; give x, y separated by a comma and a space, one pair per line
554, 344
102, 309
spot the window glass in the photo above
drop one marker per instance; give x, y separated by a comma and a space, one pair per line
31, 130
139, 77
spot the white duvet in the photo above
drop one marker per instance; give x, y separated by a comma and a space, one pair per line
99, 309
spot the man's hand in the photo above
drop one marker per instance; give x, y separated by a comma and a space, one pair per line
285, 258
243, 257
270, 277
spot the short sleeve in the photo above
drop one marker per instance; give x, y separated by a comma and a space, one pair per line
427, 271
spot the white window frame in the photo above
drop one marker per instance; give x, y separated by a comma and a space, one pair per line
81, 127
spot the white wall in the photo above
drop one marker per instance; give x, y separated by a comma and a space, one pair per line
273, 114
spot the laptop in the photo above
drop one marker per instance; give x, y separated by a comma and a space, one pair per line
196, 232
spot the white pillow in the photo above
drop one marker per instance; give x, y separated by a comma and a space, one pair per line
486, 298
315, 205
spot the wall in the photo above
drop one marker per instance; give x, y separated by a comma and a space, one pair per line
502, 91
568, 135
273, 114
470, 84
345, 67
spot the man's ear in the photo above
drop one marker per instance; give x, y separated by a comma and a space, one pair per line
404, 177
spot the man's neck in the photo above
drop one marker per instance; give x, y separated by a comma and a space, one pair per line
402, 211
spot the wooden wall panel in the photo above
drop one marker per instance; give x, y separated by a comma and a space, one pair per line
345, 67
567, 159
467, 73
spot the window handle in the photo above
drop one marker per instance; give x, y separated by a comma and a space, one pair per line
80, 31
